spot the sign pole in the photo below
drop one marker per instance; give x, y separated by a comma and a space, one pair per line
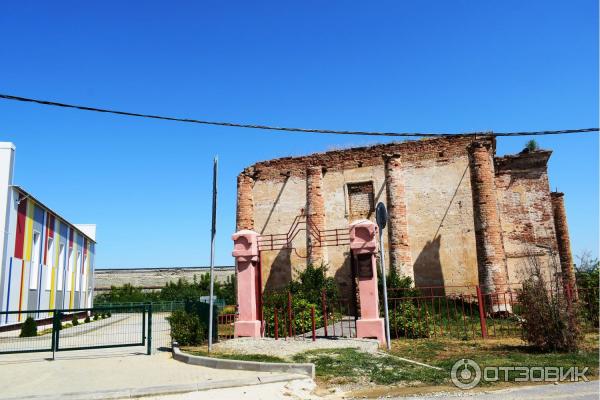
381, 216
213, 233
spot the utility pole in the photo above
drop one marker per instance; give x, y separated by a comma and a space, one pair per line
213, 233
382, 217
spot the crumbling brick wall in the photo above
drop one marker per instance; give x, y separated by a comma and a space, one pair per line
437, 228
526, 211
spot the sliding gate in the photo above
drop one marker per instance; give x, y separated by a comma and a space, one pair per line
76, 329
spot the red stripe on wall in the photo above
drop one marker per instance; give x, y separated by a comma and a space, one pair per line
51, 226
71, 231
20, 234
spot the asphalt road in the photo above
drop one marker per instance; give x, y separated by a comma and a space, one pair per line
578, 391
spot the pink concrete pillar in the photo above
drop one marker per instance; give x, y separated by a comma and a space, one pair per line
245, 251
363, 244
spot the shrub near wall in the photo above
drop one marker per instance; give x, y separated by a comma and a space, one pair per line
29, 328
550, 319
407, 321
186, 328
306, 290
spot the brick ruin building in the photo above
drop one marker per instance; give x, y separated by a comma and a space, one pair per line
458, 215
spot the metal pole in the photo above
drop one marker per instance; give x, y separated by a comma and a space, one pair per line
212, 254
385, 301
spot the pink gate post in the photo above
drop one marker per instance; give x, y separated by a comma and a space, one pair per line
245, 251
363, 244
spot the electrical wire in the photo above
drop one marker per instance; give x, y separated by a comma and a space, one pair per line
290, 129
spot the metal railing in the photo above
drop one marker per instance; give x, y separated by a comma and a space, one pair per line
76, 329
286, 316
465, 312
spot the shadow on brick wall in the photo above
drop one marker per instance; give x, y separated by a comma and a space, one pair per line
428, 268
281, 271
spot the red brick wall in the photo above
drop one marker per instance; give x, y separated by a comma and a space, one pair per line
412, 152
245, 203
400, 257
562, 235
525, 211
315, 213
491, 260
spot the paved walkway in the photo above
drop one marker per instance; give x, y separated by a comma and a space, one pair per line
26, 375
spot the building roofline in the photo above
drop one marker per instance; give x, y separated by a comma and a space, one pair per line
7, 145
29, 195
409, 150
158, 269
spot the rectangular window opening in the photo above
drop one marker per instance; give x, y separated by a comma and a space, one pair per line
361, 199
61, 266
78, 272
70, 270
49, 262
35, 261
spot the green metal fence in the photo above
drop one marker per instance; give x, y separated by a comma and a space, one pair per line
76, 329
103, 326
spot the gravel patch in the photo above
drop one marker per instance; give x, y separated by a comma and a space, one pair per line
287, 348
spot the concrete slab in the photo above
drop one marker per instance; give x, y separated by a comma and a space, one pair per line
106, 374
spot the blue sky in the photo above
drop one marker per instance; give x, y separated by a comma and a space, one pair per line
409, 66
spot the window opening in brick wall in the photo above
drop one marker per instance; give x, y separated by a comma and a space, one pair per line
362, 200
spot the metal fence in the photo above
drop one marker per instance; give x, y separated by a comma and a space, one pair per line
464, 312
76, 329
287, 316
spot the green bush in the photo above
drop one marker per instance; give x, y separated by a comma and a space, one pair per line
550, 321
588, 280
95, 317
87, 319
108, 314
75, 321
532, 145
29, 328
407, 321
310, 283
303, 315
181, 290
186, 328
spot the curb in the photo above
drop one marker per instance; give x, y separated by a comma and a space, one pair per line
307, 369
162, 390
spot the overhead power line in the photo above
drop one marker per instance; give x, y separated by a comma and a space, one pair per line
290, 129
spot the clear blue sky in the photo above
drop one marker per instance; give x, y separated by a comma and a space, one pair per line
411, 66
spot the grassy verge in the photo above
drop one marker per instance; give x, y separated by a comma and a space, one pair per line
342, 366
197, 351
355, 369
349, 366
512, 352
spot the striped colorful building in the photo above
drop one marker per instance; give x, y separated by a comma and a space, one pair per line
47, 262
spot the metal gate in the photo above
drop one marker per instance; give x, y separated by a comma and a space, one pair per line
76, 329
